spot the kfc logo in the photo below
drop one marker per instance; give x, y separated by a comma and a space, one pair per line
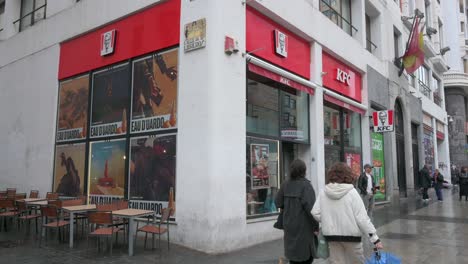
343, 76
383, 121
281, 42
107, 42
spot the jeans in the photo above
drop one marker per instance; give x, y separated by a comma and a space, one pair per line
369, 202
425, 195
439, 194
302, 262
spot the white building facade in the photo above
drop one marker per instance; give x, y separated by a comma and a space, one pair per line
210, 101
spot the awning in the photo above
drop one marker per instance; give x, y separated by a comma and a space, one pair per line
343, 104
274, 73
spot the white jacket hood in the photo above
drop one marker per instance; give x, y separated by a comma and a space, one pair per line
336, 191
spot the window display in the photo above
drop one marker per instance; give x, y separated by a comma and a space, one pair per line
107, 168
69, 169
152, 171
262, 176
262, 107
294, 120
73, 109
154, 92
378, 161
110, 100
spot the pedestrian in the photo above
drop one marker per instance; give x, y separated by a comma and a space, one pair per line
366, 186
425, 179
463, 182
296, 198
438, 184
343, 217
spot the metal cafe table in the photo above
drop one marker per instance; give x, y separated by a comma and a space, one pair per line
72, 210
131, 214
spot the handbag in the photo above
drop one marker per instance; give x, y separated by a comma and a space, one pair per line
323, 250
279, 221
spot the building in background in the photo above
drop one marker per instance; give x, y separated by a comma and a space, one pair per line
142, 99
456, 79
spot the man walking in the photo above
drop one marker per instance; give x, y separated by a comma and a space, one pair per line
366, 186
425, 179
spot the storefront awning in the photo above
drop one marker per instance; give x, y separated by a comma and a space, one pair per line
274, 73
350, 105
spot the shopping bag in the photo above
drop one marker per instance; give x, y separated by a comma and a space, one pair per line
323, 251
380, 257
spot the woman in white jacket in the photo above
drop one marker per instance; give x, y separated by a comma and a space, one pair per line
343, 217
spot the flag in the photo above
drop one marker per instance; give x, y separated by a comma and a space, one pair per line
414, 54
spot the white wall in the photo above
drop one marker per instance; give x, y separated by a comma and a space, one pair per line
28, 100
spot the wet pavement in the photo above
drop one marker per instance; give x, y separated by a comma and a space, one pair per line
434, 232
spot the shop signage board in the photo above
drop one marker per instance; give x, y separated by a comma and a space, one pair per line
281, 42
195, 35
378, 162
108, 42
383, 121
341, 78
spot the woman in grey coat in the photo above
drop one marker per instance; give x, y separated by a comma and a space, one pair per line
296, 198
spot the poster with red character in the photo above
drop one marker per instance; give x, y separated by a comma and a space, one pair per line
354, 162
259, 156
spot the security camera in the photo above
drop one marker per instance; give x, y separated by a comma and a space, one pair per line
444, 50
431, 31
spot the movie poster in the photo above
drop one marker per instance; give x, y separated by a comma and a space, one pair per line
259, 157
354, 162
110, 102
154, 96
152, 171
69, 169
378, 162
107, 168
73, 109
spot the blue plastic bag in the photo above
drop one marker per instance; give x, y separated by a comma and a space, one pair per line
383, 258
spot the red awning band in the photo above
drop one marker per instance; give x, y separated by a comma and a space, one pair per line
338, 102
281, 79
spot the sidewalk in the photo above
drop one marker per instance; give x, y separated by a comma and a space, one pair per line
419, 233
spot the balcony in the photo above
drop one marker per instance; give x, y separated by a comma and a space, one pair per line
370, 46
456, 79
438, 99
336, 17
424, 89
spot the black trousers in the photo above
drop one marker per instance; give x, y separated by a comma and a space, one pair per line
302, 262
425, 195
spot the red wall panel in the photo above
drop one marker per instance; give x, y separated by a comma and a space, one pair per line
149, 30
260, 37
336, 70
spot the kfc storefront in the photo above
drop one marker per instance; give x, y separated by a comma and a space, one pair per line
278, 91
117, 110
342, 113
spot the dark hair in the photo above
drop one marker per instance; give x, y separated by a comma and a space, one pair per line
340, 173
297, 169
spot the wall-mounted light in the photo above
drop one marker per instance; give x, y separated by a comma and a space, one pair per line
431, 31
444, 50
450, 118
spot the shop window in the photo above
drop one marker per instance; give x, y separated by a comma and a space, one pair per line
262, 179
339, 12
342, 130
32, 11
262, 106
294, 120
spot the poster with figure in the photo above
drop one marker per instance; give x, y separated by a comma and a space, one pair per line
154, 93
428, 144
354, 162
107, 168
111, 92
378, 162
259, 159
69, 169
152, 170
73, 109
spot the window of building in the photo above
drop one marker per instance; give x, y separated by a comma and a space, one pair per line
460, 3
32, 11
462, 26
437, 90
339, 11
427, 15
2, 11
423, 80
370, 45
277, 122
396, 46
342, 134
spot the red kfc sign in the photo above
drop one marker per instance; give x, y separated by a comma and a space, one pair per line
383, 121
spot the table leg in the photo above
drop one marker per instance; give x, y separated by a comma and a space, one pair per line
131, 231
72, 215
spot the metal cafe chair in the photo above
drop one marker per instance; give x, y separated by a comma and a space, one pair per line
52, 196
8, 210
100, 224
34, 194
52, 220
156, 227
27, 215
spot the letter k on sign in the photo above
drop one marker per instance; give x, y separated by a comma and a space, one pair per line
343, 76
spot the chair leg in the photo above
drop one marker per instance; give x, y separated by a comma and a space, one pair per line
111, 243
152, 243
146, 237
